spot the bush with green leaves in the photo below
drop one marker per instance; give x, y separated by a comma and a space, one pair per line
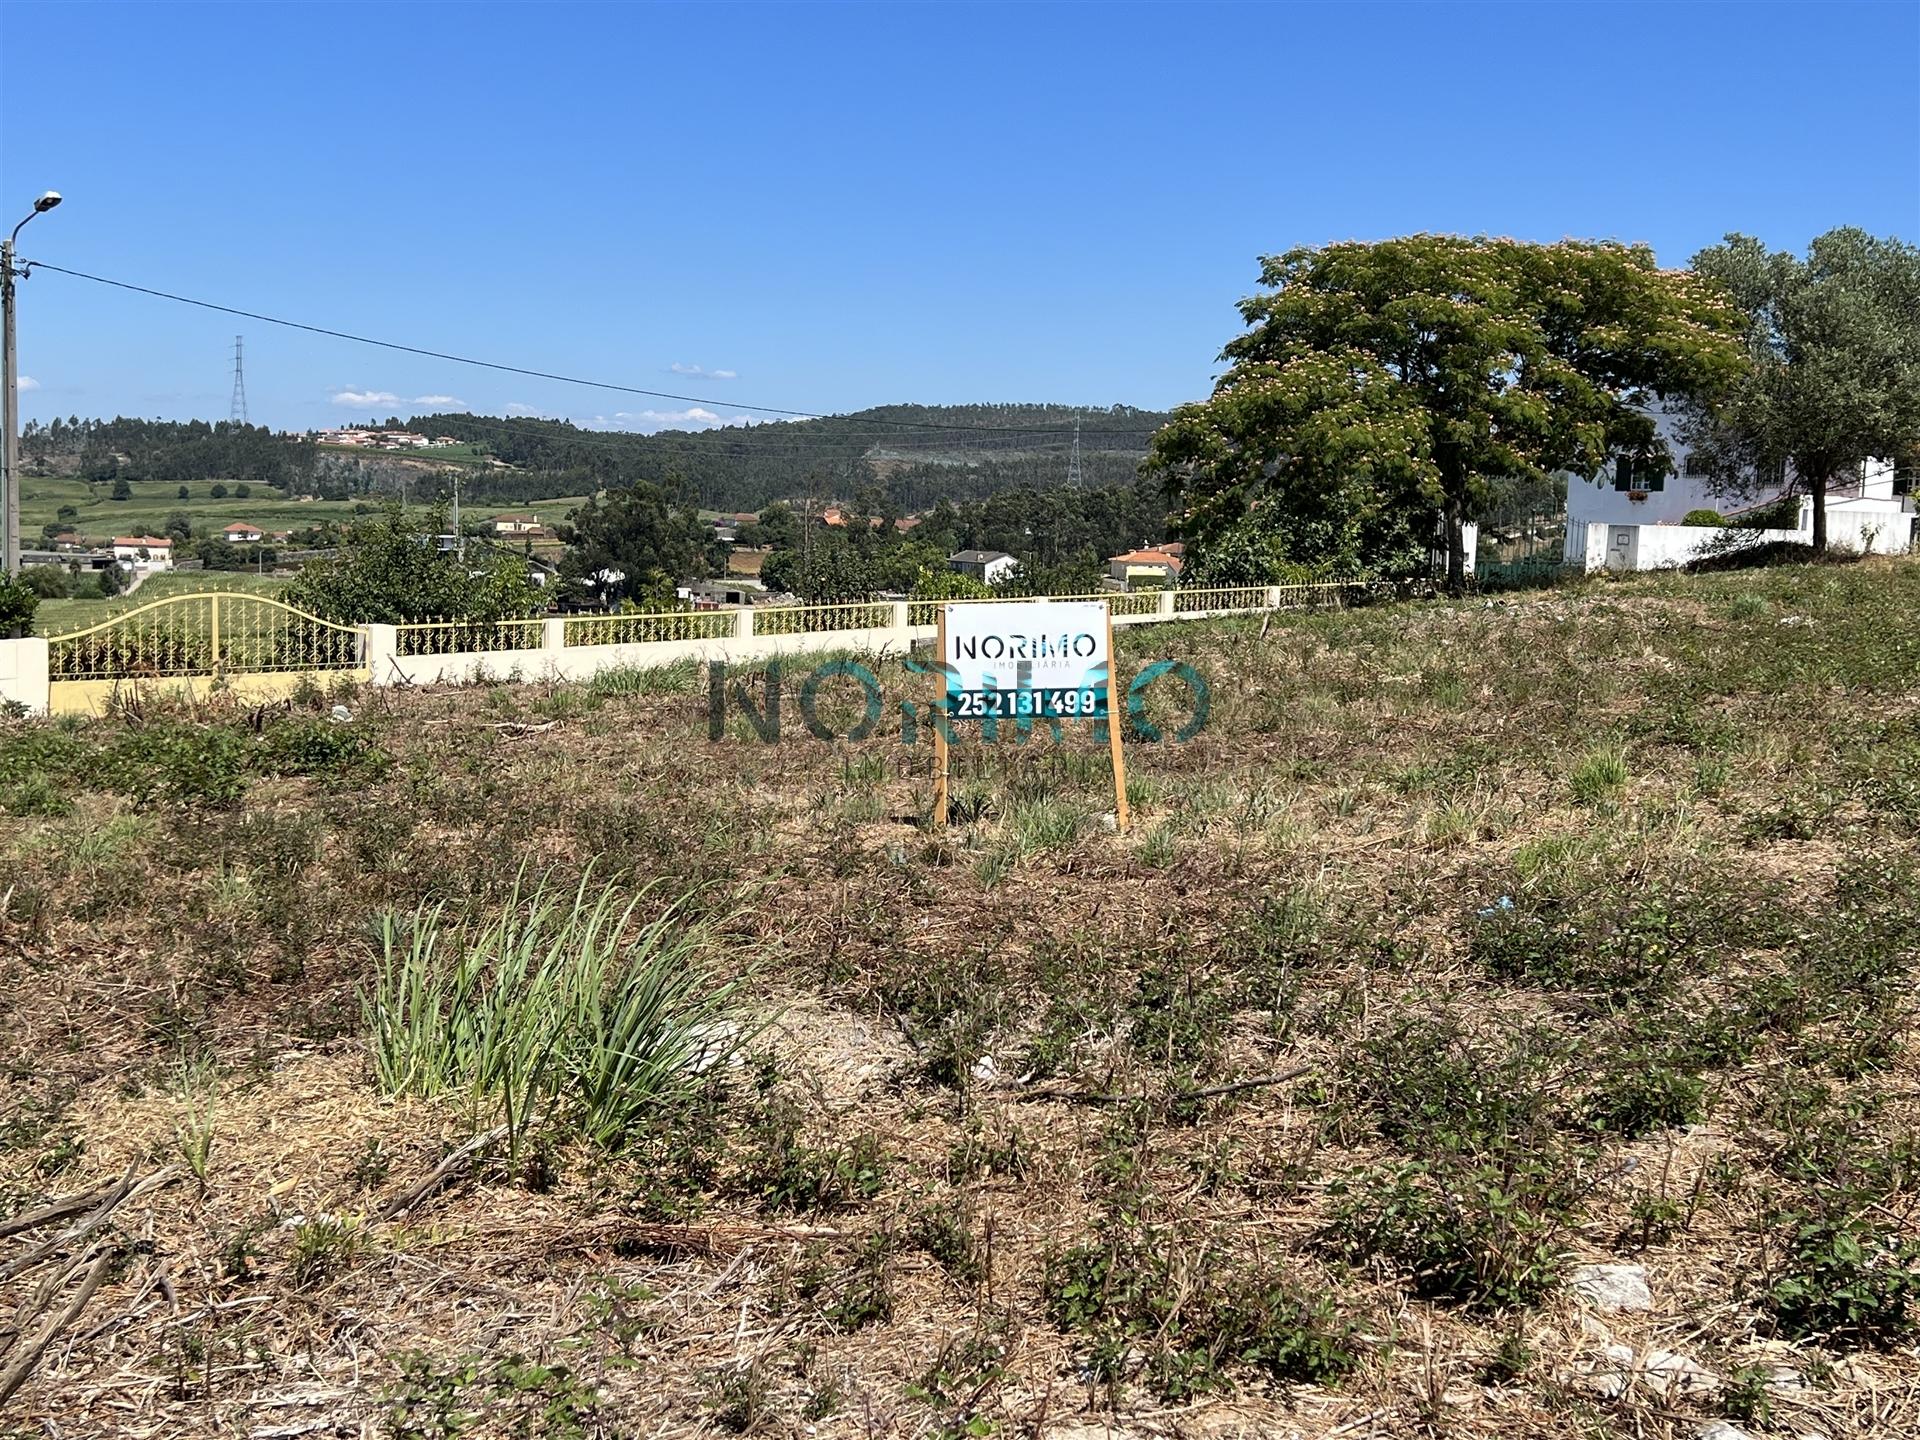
1849, 1277
390, 570
1176, 1308
18, 601
1487, 1234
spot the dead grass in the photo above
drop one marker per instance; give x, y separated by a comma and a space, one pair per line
985, 1043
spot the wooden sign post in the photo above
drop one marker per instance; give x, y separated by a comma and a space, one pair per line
940, 721
1026, 660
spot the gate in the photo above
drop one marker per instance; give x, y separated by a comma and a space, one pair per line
255, 644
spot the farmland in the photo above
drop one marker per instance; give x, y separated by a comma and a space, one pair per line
63, 617
100, 517
1466, 947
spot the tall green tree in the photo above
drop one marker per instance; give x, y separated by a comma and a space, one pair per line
390, 569
1381, 387
1833, 350
629, 543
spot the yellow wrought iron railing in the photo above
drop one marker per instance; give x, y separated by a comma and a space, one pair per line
1124, 602
811, 619
457, 637
649, 626
215, 633
1219, 597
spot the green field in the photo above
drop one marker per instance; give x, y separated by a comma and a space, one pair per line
101, 517
63, 617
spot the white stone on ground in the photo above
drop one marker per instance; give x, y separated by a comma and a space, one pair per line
1613, 1287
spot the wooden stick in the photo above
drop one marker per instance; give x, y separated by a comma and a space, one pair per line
22, 1364
940, 783
1120, 817
57, 1209
458, 1161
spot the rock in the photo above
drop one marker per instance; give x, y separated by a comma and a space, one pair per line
1785, 1379
1720, 1430
1613, 1287
1663, 1372
341, 715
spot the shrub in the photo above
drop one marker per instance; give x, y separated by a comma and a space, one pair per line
1702, 517
186, 763
1157, 1299
18, 601
304, 745
1845, 1277
1484, 1234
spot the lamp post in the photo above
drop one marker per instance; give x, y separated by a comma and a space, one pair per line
10, 398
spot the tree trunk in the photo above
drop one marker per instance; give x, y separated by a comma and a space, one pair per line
1817, 488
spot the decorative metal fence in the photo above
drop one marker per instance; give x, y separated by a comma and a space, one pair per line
222, 633
451, 637
1219, 597
212, 634
813, 619
648, 627
1124, 602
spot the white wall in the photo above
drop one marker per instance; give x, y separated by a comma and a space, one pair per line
24, 673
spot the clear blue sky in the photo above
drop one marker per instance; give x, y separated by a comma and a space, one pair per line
844, 205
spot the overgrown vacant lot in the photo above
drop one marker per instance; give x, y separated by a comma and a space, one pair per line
1467, 946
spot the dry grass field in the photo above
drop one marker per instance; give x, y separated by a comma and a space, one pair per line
520, 1061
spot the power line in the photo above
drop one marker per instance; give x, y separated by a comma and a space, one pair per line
516, 369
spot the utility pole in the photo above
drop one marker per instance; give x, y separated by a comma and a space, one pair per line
10, 397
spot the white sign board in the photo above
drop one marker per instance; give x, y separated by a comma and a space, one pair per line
1040, 659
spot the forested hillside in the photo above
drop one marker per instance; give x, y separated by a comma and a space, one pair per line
918, 454
914, 455
174, 450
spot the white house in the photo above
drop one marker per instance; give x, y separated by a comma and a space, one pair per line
1628, 520
242, 534
986, 566
516, 525
143, 552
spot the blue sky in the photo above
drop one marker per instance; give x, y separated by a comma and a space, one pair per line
832, 206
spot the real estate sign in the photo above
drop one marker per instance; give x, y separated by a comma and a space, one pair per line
1027, 659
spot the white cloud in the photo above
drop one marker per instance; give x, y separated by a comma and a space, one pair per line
437, 400
27, 382
694, 417
516, 408
357, 399
700, 370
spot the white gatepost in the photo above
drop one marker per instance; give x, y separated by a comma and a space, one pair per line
25, 674
553, 635
1273, 597
383, 652
1166, 604
743, 623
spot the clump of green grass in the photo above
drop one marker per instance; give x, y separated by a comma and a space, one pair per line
1600, 775
567, 1008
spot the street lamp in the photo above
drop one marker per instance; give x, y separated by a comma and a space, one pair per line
10, 398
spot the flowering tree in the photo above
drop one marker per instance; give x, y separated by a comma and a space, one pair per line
1382, 389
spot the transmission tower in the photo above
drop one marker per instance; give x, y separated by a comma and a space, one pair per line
238, 412
1074, 477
